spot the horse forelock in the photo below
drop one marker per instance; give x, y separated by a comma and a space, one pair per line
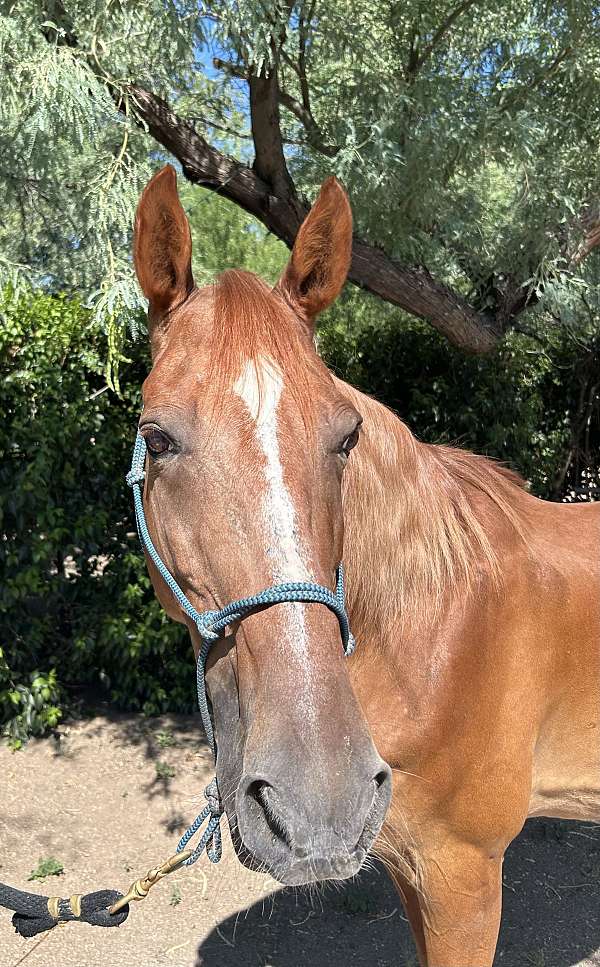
251, 324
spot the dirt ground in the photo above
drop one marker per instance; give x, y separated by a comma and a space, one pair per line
108, 798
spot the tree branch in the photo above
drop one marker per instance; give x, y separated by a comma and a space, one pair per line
269, 161
442, 30
303, 28
234, 70
413, 289
314, 135
509, 99
590, 224
301, 112
202, 164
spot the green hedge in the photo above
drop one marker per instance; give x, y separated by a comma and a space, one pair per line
513, 404
76, 605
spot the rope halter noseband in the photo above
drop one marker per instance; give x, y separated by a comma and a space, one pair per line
211, 625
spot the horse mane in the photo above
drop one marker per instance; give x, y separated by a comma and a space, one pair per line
425, 514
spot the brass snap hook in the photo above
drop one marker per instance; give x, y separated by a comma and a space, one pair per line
140, 888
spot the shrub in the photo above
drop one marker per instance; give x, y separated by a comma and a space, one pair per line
76, 605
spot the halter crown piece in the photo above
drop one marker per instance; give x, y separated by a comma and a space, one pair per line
211, 625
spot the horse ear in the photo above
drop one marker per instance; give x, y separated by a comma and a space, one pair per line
162, 245
317, 269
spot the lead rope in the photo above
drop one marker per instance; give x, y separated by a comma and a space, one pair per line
210, 625
109, 908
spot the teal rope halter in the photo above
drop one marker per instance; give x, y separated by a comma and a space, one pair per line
211, 625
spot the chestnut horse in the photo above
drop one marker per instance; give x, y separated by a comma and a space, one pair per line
473, 697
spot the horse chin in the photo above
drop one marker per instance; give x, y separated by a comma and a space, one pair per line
307, 872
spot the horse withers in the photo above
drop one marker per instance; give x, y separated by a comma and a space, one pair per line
473, 698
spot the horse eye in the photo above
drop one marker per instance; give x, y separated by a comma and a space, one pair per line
350, 442
156, 441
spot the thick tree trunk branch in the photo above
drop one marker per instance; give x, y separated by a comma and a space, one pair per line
412, 289
204, 165
417, 292
269, 159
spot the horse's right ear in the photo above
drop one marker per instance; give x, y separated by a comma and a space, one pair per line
162, 246
321, 256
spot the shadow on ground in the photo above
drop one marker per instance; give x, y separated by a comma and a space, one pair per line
550, 919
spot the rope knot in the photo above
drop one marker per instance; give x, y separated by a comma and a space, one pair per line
210, 839
135, 476
213, 798
204, 624
35, 914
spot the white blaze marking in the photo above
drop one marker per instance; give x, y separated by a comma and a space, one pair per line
260, 387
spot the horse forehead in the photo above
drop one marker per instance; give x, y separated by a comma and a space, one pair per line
259, 386
174, 375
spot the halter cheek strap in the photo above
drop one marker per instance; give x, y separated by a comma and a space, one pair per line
211, 625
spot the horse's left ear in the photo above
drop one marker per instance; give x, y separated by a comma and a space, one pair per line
317, 269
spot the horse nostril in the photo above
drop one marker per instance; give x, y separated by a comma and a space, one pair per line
383, 777
258, 791
382, 793
262, 800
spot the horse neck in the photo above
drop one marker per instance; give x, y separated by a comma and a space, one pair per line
423, 525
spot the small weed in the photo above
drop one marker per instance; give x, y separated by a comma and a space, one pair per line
358, 900
176, 897
164, 770
536, 958
49, 867
165, 739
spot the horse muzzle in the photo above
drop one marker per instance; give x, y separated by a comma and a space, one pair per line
305, 835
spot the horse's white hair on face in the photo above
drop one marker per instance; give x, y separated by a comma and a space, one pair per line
260, 386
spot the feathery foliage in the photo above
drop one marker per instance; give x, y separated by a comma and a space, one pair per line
467, 133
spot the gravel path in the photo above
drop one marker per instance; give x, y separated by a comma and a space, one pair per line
108, 799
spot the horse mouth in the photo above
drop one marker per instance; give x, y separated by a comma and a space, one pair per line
322, 862
323, 856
